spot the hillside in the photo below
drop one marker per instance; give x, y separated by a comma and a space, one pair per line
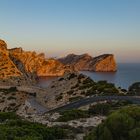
72, 87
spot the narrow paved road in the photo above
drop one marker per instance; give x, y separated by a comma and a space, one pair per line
39, 108
86, 101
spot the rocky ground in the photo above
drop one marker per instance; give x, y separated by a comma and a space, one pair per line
72, 87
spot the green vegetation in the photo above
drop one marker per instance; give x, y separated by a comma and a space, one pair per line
6, 91
60, 79
70, 92
100, 88
107, 108
59, 97
11, 98
13, 128
72, 75
98, 109
72, 114
72, 99
134, 89
123, 124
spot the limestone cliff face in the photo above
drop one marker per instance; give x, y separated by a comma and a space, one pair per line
34, 62
102, 63
7, 67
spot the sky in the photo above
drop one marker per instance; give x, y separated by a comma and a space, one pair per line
60, 27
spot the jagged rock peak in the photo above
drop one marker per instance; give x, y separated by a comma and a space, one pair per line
3, 44
17, 50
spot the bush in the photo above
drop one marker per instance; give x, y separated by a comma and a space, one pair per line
59, 97
13, 128
11, 98
72, 99
72, 114
134, 89
123, 124
70, 92
100, 109
72, 75
60, 79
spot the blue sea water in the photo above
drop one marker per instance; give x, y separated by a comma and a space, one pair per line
126, 74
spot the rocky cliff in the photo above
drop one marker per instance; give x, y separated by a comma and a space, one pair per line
19, 64
102, 63
7, 67
27, 65
33, 62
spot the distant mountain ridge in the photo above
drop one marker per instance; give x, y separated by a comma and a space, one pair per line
102, 63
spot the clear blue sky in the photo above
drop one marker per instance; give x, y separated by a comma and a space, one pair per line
59, 27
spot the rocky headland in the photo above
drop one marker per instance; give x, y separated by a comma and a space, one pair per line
85, 62
19, 67
38, 63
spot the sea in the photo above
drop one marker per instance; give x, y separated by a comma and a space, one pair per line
126, 75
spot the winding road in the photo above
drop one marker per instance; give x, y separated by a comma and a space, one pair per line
86, 101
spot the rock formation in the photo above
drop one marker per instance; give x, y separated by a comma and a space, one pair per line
19, 66
102, 63
7, 67
28, 65
33, 62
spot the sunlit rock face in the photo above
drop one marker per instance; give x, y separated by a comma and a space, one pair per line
34, 62
3, 45
7, 67
29, 65
102, 63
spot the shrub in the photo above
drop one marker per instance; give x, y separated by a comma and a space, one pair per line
72, 99
59, 97
13, 128
70, 92
72, 114
100, 109
60, 79
123, 124
11, 98
72, 75
134, 89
